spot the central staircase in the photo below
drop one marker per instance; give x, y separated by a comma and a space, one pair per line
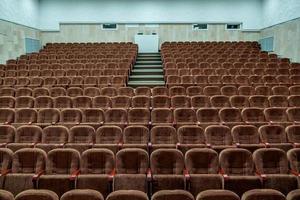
147, 71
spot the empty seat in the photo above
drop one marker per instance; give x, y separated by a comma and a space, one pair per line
185, 116
172, 195
32, 194
62, 167
109, 137
167, 167
43, 102
160, 91
160, 101
7, 135
276, 115
162, 116
208, 116
177, 90
211, 90
140, 102
25, 116
246, 137
219, 101
217, 194
237, 168
259, 101
263, 90
116, 116
62, 102
7, 91
278, 101
127, 91
190, 136
239, 101
109, 91
121, 102
135, 137
6, 156
37, 92
274, 136
97, 166
24, 102
294, 100
93, 117
26, 136
81, 138
27, 163
82, 102
53, 137
23, 92
265, 194
229, 90
163, 137
79, 194
139, 116
127, 195
280, 90
292, 132
202, 167
230, 116
294, 90
6, 195
194, 91
7, 115
180, 101
74, 92
131, 170
272, 165
70, 117
7, 102
91, 91
246, 90
293, 114
103, 102
218, 137
58, 91
146, 91
48, 116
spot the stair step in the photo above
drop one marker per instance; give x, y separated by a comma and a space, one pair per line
146, 78
147, 67
147, 72
145, 83
148, 58
149, 54
148, 62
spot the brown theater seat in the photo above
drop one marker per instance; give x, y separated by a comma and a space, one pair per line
172, 195
217, 194
127, 195
167, 167
27, 163
109, 137
37, 194
96, 169
265, 194
80, 194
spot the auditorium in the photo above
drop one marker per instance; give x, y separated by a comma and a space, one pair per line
149, 100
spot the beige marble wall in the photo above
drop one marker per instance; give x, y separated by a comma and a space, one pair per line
286, 39
12, 39
166, 32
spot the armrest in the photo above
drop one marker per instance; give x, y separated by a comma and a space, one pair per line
6, 123
29, 123
74, 175
186, 174
112, 175
237, 144
225, 176
120, 145
208, 145
3, 173
267, 144
262, 176
149, 175
178, 145
36, 176
53, 123
294, 173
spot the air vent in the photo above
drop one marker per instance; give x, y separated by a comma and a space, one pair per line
200, 26
233, 26
109, 26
